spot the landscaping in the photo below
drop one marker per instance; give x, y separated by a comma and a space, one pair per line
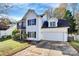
10, 47
75, 44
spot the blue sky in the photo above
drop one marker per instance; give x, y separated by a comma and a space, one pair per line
19, 10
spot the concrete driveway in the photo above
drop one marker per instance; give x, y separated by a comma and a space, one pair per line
48, 48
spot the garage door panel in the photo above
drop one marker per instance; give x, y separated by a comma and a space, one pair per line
53, 36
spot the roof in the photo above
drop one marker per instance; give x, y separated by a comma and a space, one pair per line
61, 23
3, 26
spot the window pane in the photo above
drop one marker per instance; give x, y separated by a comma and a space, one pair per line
28, 22
32, 22
32, 34
53, 24
50, 24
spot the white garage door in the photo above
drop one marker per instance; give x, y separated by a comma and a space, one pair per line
54, 36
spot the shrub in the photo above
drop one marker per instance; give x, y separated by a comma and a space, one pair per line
15, 31
24, 36
5, 37
9, 37
17, 36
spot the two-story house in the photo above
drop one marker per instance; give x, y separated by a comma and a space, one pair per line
43, 27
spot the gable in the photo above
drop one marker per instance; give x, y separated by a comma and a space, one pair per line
30, 14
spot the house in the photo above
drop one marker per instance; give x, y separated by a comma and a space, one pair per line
21, 25
43, 27
6, 30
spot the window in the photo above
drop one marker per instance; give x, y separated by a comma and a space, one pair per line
29, 22
19, 24
32, 22
24, 25
52, 24
32, 34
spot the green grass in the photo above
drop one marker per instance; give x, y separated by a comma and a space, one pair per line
9, 47
75, 44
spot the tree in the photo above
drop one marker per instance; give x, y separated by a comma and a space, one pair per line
5, 21
60, 11
77, 21
73, 6
69, 17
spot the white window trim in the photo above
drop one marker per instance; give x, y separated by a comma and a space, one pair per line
31, 22
32, 34
51, 24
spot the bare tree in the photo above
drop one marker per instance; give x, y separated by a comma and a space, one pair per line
73, 6
60, 11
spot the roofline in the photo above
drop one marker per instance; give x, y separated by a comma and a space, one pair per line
57, 27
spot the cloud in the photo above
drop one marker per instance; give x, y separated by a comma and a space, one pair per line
19, 9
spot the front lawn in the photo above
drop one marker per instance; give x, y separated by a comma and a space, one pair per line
75, 44
9, 47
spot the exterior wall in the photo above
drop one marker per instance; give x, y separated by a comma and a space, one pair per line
8, 31
44, 18
33, 28
53, 20
54, 34
2, 33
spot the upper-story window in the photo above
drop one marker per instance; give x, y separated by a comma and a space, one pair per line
24, 24
32, 22
52, 24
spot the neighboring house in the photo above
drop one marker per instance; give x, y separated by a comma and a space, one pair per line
6, 30
42, 27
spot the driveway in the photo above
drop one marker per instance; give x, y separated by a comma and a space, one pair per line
47, 48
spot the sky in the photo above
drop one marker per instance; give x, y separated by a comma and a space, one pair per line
19, 10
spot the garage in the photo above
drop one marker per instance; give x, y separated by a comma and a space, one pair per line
54, 34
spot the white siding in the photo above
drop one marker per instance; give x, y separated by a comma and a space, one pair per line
8, 31
2, 33
54, 34
33, 28
53, 20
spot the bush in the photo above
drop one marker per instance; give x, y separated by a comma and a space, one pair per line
9, 37
15, 31
24, 36
17, 36
5, 37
